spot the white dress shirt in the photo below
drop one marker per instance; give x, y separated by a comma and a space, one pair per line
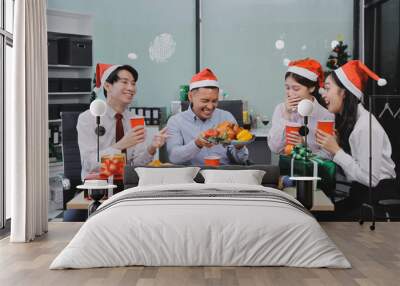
87, 140
276, 135
356, 165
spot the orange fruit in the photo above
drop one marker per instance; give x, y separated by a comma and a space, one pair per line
288, 149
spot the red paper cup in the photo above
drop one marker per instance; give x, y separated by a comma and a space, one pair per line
290, 127
326, 126
212, 161
137, 121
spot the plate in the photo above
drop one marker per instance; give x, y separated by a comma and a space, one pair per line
232, 142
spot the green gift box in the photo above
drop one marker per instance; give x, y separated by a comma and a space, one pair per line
313, 166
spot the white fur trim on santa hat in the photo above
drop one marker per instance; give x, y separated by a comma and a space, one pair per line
382, 82
321, 90
203, 83
347, 83
303, 72
107, 73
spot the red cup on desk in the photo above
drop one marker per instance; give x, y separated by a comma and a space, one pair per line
326, 126
291, 127
212, 161
137, 121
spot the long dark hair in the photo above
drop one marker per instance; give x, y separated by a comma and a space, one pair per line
309, 84
345, 121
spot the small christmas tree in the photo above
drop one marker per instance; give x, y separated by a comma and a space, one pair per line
338, 57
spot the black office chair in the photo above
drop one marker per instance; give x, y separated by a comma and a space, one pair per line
71, 155
358, 203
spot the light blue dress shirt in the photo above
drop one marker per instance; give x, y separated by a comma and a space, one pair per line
185, 127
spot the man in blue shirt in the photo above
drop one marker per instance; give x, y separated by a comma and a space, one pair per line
184, 143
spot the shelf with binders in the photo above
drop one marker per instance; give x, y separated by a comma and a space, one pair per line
70, 67
153, 115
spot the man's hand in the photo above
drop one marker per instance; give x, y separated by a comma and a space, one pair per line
327, 141
200, 142
133, 137
158, 141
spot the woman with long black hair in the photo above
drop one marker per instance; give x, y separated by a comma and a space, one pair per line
350, 146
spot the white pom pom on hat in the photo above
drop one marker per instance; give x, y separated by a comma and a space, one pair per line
382, 82
286, 62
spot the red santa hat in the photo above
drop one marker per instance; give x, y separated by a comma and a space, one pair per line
103, 71
309, 68
205, 78
354, 76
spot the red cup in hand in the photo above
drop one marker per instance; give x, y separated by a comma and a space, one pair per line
137, 121
326, 126
291, 127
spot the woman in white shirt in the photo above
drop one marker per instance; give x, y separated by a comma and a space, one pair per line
350, 147
303, 80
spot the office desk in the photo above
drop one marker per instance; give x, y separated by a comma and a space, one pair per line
321, 201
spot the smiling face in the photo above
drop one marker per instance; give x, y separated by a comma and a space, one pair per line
123, 90
295, 89
333, 96
204, 101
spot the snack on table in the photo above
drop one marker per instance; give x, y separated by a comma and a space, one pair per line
226, 132
112, 165
157, 163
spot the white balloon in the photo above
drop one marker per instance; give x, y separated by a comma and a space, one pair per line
305, 107
279, 44
334, 43
132, 56
286, 62
98, 107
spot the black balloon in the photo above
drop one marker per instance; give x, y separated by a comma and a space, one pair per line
303, 131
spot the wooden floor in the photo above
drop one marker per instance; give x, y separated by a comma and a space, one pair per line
375, 257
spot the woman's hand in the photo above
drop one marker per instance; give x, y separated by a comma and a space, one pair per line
158, 141
291, 103
327, 141
294, 138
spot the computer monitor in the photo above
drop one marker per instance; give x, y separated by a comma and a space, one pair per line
233, 106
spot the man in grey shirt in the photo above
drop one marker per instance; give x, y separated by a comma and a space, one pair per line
184, 143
